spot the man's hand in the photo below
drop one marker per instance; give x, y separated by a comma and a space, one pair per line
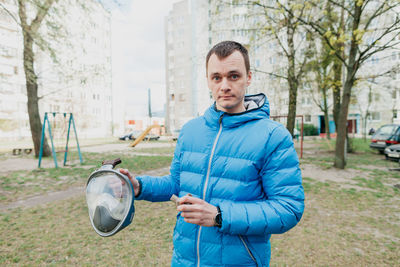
197, 211
133, 180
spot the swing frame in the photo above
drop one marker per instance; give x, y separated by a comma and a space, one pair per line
71, 121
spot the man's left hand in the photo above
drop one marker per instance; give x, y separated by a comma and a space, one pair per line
197, 211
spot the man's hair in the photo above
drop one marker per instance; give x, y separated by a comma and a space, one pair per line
225, 49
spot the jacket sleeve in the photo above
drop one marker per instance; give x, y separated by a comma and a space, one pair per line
282, 184
158, 189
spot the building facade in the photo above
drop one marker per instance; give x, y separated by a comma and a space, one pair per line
186, 42
235, 20
73, 69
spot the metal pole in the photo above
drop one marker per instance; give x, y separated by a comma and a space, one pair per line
42, 139
76, 137
302, 139
149, 104
66, 145
52, 144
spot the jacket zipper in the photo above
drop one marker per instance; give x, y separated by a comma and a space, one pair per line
248, 250
206, 183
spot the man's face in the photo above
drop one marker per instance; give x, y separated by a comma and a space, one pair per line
227, 79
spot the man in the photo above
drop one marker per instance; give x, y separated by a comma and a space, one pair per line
236, 173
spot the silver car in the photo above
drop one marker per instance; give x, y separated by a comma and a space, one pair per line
393, 152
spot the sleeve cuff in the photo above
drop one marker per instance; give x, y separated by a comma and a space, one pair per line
140, 189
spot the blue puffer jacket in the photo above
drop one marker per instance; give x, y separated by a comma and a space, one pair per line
245, 164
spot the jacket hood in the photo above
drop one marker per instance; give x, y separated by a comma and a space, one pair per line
257, 107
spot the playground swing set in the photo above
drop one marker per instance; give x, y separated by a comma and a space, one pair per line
63, 129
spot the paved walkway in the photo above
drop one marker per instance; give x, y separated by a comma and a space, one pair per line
62, 195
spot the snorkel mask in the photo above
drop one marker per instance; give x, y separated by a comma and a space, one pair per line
110, 199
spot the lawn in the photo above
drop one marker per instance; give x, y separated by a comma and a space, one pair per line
351, 223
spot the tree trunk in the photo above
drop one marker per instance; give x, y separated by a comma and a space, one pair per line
292, 108
340, 160
292, 80
337, 72
364, 122
32, 94
351, 70
326, 118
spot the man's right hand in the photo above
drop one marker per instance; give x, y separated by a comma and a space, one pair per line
135, 183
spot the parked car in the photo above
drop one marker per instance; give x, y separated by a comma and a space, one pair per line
130, 136
393, 152
151, 137
135, 134
386, 135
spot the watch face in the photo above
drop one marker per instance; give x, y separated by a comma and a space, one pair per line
218, 220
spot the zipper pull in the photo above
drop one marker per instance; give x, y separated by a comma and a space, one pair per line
220, 119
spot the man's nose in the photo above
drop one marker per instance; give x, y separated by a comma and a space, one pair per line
225, 84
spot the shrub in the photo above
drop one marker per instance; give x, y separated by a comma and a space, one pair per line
310, 129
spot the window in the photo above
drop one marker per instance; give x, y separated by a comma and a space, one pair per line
307, 118
306, 101
375, 116
395, 116
272, 60
8, 51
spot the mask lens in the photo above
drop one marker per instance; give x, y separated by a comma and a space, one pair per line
107, 199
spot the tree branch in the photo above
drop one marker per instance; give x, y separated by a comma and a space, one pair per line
342, 7
270, 73
41, 14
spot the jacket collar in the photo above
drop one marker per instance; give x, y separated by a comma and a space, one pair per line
257, 107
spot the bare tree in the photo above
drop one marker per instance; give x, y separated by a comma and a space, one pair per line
322, 69
30, 32
282, 26
275, 26
42, 27
373, 27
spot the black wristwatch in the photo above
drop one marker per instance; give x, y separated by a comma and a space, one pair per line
218, 218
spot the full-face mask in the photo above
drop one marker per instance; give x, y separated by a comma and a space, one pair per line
110, 199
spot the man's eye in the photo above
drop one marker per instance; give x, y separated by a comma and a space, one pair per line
216, 78
234, 77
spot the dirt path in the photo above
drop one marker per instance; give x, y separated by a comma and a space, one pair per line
10, 163
62, 195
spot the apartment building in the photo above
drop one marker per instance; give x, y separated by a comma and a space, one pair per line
234, 20
76, 78
186, 44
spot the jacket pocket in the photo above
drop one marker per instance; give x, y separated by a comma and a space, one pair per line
248, 250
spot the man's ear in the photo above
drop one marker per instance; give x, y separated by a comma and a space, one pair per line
249, 75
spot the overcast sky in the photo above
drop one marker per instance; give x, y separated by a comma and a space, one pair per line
138, 48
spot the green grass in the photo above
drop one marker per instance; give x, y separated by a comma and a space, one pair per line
21, 184
346, 226
358, 144
61, 234
157, 150
353, 223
